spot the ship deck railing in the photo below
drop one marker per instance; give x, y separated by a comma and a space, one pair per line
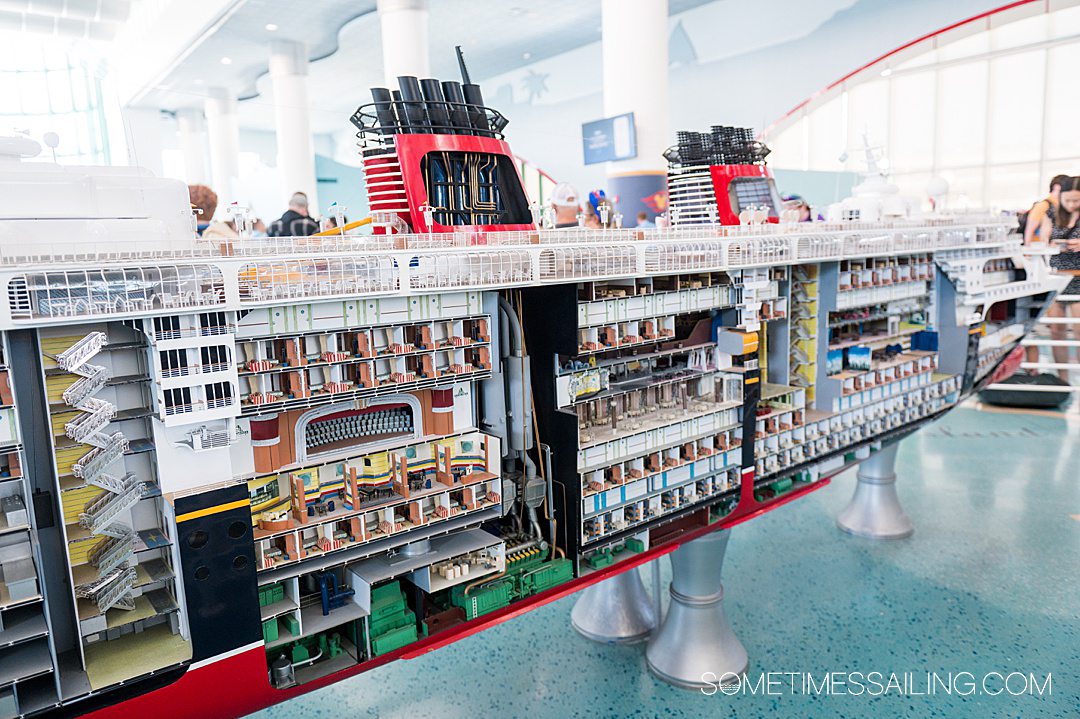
109, 251
246, 272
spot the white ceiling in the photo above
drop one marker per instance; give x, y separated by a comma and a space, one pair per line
85, 19
243, 38
345, 48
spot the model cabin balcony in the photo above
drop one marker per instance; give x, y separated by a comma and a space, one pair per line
304, 513
641, 501
368, 360
884, 271
161, 330
638, 490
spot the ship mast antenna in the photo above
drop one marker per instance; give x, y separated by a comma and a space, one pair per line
461, 63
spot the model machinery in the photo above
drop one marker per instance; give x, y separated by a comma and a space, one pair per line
267, 467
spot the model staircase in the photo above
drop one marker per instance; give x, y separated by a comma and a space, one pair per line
803, 348
111, 590
87, 385
113, 555
78, 354
86, 428
100, 514
92, 465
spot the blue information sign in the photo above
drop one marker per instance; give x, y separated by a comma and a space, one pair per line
612, 138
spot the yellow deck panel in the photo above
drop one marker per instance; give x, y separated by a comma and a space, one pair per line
56, 384
67, 456
54, 346
59, 419
73, 501
81, 545
117, 617
134, 654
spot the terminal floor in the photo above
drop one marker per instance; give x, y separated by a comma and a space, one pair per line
989, 582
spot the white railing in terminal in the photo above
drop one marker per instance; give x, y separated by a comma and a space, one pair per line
1070, 367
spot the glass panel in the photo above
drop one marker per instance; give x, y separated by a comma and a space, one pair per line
83, 137
788, 149
827, 138
1064, 22
54, 56
9, 95
27, 51
67, 127
911, 142
1062, 104
965, 187
961, 116
9, 57
59, 83
1019, 32
921, 60
172, 164
33, 93
868, 114
1014, 187
1016, 106
975, 44
80, 89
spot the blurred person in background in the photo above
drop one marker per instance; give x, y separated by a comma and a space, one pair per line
204, 199
564, 199
1038, 211
297, 221
605, 203
204, 202
643, 221
1032, 222
592, 221
1061, 227
796, 202
330, 222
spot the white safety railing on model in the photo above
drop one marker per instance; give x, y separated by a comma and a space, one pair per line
89, 253
267, 271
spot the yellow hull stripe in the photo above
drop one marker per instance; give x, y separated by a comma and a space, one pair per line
213, 510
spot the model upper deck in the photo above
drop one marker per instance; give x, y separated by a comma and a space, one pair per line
95, 276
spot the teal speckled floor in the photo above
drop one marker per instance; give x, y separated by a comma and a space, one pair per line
987, 583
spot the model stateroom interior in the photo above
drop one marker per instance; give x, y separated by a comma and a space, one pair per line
275, 464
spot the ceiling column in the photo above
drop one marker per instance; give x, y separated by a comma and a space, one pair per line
635, 79
295, 149
191, 126
224, 136
404, 25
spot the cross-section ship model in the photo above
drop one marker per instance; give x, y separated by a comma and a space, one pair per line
231, 473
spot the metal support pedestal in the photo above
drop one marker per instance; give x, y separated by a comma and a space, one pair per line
695, 645
874, 510
615, 611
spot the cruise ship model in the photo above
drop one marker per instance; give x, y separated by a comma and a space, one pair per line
234, 471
